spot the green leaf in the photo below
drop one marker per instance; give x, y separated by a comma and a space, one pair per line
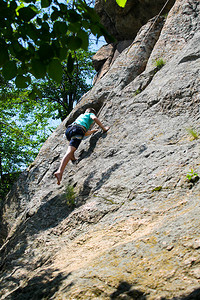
3, 55
22, 81
39, 21
19, 52
63, 7
70, 63
18, 8
45, 17
13, 5
86, 24
38, 68
55, 70
74, 42
9, 70
189, 177
74, 27
45, 3
55, 15
46, 52
73, 16
27, 13
37, 92
32, 32
45, 36
92, 14
121, 3
62, 53
85, 39
60, 27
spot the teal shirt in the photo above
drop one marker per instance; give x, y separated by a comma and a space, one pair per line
85, 120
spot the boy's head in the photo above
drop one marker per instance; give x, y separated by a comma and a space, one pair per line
91, 110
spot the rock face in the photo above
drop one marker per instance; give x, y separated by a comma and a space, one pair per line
124, 23
131, 230
105, 57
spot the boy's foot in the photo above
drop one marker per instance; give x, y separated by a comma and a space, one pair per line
59, 177
74, 161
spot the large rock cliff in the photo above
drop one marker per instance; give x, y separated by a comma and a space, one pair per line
124, 223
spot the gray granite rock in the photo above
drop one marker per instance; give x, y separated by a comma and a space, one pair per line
132, 230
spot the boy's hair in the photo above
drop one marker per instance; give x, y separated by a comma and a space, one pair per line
91, 110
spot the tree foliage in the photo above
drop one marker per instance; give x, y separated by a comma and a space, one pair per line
36, 36
24, 126
75, 82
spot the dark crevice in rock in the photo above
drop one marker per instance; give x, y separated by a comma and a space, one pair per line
42, 176
55, 158
189, 58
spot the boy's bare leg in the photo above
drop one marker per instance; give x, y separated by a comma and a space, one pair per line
73, 157
68, 156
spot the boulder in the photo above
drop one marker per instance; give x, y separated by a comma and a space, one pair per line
104, 53
124, 23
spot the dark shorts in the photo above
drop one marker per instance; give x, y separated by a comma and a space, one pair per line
74, 135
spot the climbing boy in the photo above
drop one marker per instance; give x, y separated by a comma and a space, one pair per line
75, 133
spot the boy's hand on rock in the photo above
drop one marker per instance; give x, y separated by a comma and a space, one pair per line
106, 129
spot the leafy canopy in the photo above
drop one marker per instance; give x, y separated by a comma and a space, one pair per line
24, 126
78, 72
36, 35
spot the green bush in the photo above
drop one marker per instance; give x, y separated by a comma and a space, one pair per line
192, 176
70, 196
159, 63
193, 133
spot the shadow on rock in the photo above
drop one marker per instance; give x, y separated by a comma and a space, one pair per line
49, 215
195, 295
86, 188
18, 189
92, 144
127, 291
106, 175
43, 286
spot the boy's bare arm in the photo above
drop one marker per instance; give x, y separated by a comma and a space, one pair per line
89, 132
96, 120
